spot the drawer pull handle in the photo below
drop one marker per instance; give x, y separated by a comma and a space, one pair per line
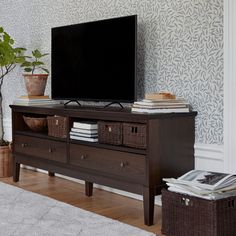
82, 157
50, 150
134, 129
24, 145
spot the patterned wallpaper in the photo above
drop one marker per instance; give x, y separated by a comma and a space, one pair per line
180, 47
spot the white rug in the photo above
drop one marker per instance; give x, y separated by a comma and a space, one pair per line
23, 213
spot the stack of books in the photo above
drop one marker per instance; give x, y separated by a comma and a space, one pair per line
85, 131
30, 100
160, 103
204, 184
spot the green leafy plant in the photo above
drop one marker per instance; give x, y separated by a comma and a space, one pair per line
34, 62
9, 57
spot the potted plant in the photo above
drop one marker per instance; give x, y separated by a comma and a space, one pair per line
9, 57
35, 81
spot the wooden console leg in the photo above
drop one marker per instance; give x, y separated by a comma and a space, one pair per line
16, 171
51, 173
88, 189
148, 205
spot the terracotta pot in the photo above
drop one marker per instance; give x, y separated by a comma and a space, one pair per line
5, 161
35, 84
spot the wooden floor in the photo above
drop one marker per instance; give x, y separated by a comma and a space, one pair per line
111, 205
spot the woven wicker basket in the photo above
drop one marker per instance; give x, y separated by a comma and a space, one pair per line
57, 126
110, 132
135, 135
184, 215
5, 161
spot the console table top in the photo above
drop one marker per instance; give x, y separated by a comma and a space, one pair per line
63, 110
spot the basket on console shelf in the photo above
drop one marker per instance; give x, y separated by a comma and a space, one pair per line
135, 135
57, 126
110, 132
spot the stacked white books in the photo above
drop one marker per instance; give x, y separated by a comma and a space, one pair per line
160, 106
85, 131
28, 100
204, 184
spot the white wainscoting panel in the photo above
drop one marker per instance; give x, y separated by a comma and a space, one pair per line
209, 157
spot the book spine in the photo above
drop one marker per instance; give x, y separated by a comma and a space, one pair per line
83, 138
84, 125
78, 134
161, 110
159, 106
84, 131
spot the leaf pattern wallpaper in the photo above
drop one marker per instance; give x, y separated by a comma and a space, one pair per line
180, 47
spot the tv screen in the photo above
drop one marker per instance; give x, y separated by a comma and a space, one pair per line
95, 61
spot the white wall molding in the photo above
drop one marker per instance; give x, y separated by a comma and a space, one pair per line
209, 157
209, 151
229, 86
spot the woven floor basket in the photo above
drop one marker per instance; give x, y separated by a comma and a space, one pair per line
183, 215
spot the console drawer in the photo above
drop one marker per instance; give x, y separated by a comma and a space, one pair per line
128, 165
42, 148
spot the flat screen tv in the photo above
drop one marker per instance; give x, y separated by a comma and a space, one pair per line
95, 61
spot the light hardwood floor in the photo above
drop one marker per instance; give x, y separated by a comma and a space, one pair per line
108, 204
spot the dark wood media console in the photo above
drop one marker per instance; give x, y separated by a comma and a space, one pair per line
169, 151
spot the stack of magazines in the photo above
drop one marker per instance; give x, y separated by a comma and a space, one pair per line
204, 184
160, 103
85, 131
